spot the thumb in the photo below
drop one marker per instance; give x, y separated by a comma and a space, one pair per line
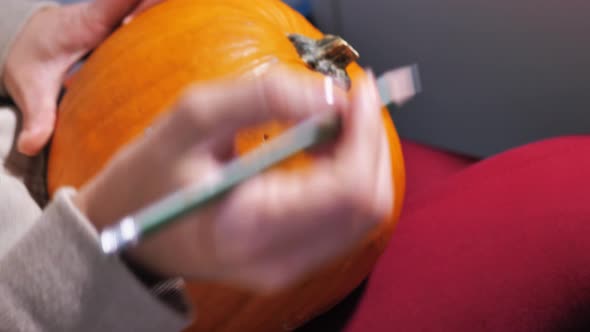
38, 108
88, 24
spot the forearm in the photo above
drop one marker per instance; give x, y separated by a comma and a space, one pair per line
54, 278
13, 16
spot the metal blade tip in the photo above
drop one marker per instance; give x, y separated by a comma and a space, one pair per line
399, 85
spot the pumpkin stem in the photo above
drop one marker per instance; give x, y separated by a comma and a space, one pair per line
329, 56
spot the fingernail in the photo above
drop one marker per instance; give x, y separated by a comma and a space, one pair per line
334, 97
127, 20
370, 73
329, 90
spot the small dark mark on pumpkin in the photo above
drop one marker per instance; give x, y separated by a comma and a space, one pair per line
265, 137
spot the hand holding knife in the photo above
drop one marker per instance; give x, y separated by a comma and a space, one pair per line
396, 87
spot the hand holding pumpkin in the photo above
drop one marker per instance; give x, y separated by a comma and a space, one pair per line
50, 43
275, 227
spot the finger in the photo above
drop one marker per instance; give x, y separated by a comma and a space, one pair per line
281, 210
281, 268
384, 188
358, 155
216, 110
301, 248
143, 6
110, 13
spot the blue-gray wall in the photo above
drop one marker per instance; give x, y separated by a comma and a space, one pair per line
496, 74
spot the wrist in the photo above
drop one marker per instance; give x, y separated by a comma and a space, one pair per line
145, 275
168, 290
86, 204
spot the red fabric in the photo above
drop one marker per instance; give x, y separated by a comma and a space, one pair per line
500, 245
426, 166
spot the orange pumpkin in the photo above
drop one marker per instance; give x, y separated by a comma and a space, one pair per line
143, 67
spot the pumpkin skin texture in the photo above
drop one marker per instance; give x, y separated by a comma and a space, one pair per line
142, 68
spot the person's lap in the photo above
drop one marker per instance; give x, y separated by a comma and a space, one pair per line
497, 245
